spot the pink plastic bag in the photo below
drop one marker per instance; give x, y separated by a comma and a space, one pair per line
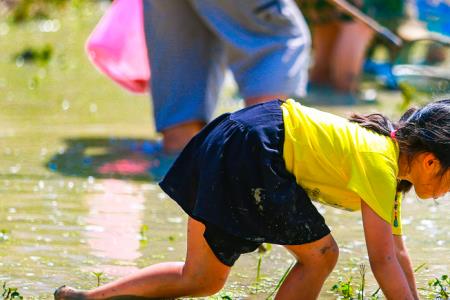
117, 45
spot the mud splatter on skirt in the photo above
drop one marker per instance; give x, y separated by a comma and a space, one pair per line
232, 178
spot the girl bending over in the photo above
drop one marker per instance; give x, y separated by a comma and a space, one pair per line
249, 178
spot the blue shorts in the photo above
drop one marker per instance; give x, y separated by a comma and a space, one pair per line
232, 178
191, 43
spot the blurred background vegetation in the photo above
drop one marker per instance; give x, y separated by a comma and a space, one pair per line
25, 10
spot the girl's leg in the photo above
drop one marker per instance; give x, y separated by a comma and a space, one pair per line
202, 274
314, 262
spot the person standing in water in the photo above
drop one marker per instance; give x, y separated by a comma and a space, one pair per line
191, 44
249, 177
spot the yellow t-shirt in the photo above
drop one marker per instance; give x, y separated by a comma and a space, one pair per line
339, 163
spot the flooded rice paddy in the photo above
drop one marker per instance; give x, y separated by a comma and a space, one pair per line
75, 198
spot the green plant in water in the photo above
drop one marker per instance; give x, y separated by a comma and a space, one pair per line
9, 293
362, 272
36, 55
439, 288
346, 291
344, 288
362, 285
262, 249
420, 267
98, 275
4, 235
143, 234
286, 273
374, 296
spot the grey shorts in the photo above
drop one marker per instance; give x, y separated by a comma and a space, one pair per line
191, 43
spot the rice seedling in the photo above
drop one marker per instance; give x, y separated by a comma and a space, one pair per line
10, 293
280, 282
143, 238
262, 250
439, 288
344, 288
4, 235
98, 275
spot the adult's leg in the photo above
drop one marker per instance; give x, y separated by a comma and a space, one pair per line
177, 136
201, 275
323, 39
187, 68
267, 45
349, 53
261, 99
315, 261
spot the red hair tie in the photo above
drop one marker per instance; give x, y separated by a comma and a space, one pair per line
393, 134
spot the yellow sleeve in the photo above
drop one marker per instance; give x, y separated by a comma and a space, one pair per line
373, 178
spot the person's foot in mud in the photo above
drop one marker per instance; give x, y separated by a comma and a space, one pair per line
68, 293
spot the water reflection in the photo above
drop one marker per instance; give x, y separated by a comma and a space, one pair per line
112, 224
119, 158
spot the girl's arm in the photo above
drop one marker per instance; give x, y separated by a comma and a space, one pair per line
405, 263
383, 260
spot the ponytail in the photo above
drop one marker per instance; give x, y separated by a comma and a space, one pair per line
419, 130
382, 125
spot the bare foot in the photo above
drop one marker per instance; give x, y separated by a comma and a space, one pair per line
68, 293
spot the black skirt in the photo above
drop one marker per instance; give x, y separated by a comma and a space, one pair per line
232, 177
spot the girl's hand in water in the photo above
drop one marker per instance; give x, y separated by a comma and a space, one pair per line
382, 255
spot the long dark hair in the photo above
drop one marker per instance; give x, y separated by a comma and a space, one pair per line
425, 129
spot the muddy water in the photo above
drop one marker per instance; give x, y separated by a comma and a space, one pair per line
61, 228
75, 198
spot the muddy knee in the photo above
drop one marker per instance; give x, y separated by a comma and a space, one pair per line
328, 256
322, 258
